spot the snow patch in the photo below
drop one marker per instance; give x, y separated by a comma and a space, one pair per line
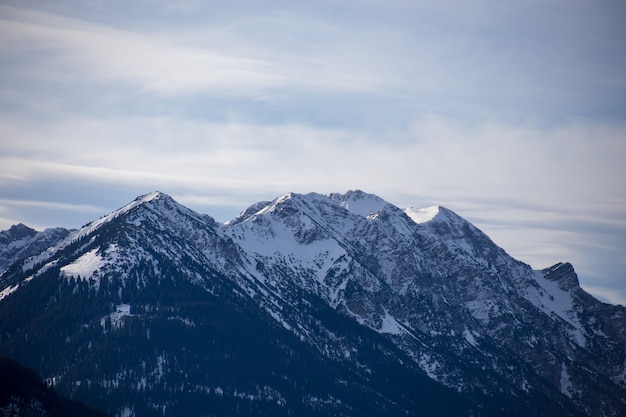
390, 325
121, 311
470, 338
621, 378
483, 310
127, 412
422, 215
187, 322
85, 266
556, 302
566, 383
279, 318
8, 290
429, 365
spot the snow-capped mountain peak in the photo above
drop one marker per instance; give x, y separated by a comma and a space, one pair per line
157, 202
359, 202
563, 274
143, 199
16, 232
422, 215
277, 203
248, 213
155, 211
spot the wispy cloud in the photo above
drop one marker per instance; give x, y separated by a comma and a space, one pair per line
245, 57
50, 205
154, 63
434, 156
459, 58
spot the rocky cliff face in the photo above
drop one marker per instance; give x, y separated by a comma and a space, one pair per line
308, 304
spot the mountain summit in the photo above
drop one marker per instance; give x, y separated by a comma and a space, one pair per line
305, 305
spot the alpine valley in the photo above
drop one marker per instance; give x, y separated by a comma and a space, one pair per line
308, 305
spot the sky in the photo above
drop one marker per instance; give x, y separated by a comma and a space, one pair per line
512, 114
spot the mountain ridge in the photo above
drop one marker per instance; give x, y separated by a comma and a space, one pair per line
451, 303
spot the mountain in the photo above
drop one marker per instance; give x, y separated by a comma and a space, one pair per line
23, 394
21, 241
307, 305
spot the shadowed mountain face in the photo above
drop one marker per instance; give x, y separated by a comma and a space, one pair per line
23, 394
306, 305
